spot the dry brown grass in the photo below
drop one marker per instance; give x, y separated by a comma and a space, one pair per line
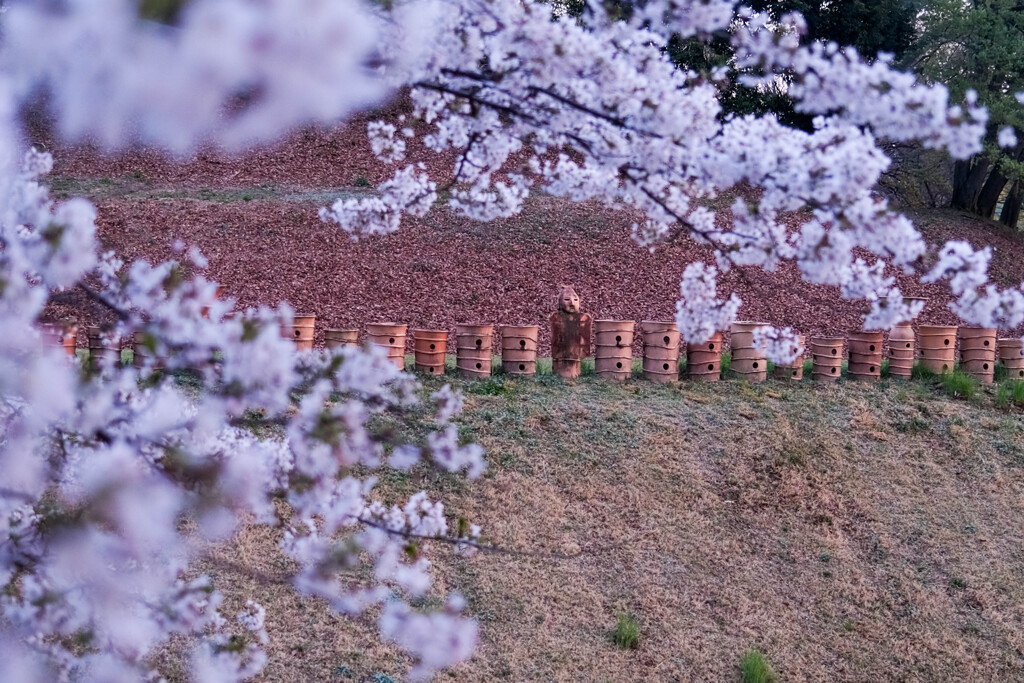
849, 532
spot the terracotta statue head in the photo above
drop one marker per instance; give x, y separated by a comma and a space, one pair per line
568, 300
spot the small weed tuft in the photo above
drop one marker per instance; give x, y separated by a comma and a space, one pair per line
1010, 393
959, 384
488, 387
627, 632
361, 181
755, 668
957, 583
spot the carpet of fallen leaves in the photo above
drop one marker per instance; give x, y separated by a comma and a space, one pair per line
255, 218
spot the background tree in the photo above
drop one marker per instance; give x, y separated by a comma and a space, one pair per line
978, 46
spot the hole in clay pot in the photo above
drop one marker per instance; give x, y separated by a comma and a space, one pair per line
835, 351
522, 343
711, 346
618, 365
667, 339
908, 345
794, 373
946, 342
1021, 373
479, 342
711, 366
618, 338
478, 366
986, 342
665, 366
430, 370
522, 366
871, 348
984, 366
432, 347
833, 371
945, 367
297, 333
391, 340
871, 368
756, 365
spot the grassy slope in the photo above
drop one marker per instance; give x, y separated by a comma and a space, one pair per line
850, 532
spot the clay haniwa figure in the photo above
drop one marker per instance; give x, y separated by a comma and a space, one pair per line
570, 334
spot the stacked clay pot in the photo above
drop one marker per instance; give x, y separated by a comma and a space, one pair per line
519, 349
301, 331
336, 338
748, 361
661, 351
978, 352
901, 346
938, 347
613, 349
429, 347
704, 361
865, 355
142, 355
826, 358
794, 372
392, 337
1011, 355
62, 336
103, 349
473, 350
901, 351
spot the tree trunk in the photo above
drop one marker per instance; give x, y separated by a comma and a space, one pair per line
1012, 205
989, 196
971, 182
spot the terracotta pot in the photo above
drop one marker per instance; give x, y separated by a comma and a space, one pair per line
429, 347
656, 333
1011, 355
865, 355
978, 339
661, 351
392, 337
613, 349
338, 338
748, 362
64, 336
938, 366
519, 349
300, 331
103, 348
827, 346
142, 357
936, 337
795, 371
661, 370
473, 350
705, 371
615, 333
978, 352
865, 343
982, 370
618, 369
901, 351
712, 347
826, 358
937, 345
704, 361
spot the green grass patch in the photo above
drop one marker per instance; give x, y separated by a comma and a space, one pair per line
627, 632
754, 668
1010, 393
958, 384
